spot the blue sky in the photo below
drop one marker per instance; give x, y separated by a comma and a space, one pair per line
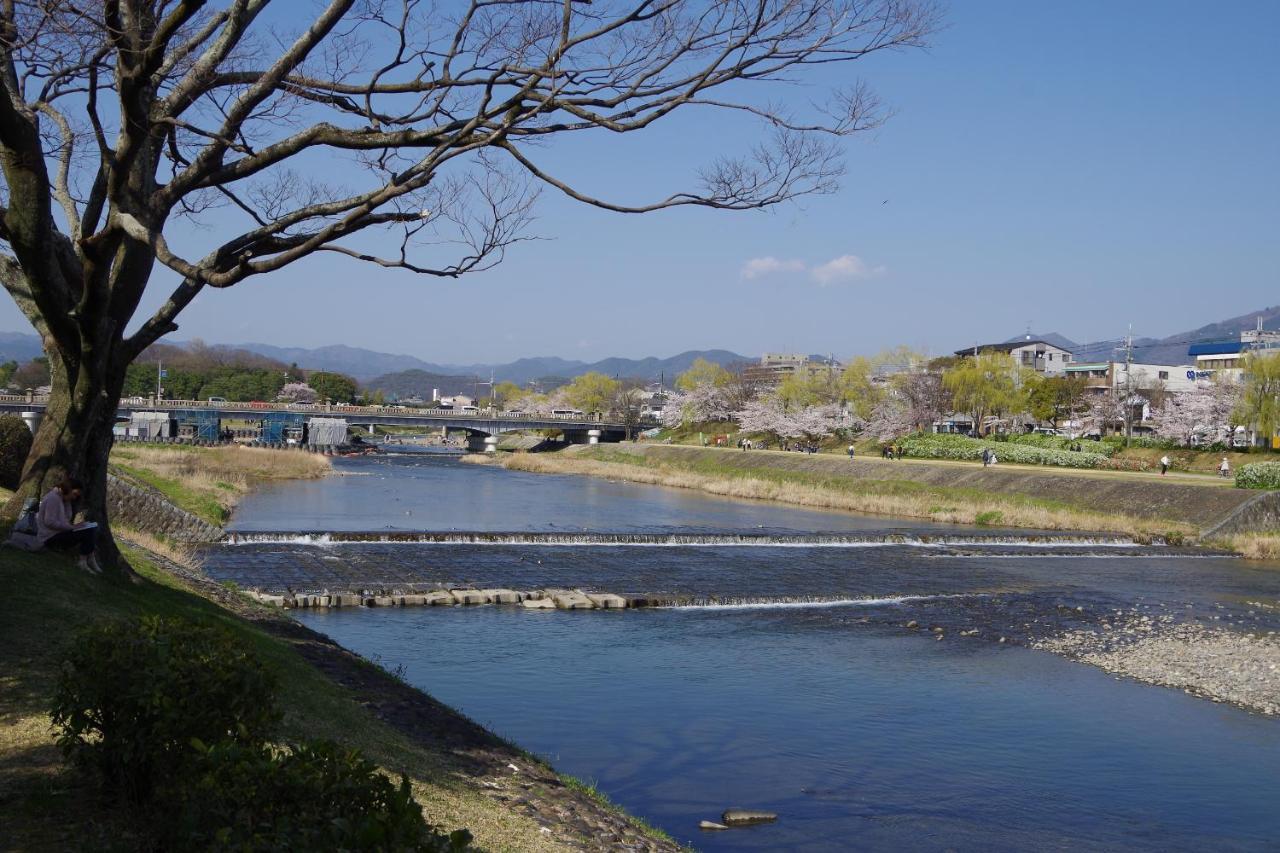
1078, 167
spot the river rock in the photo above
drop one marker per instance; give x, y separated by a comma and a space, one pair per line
711, 824
538, 604
440, 598
607, 600
747, 817
503, 596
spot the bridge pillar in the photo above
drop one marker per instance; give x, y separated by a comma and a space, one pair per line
490, 444
593, 436
32, 420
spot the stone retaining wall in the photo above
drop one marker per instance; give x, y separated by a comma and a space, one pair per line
1260, 514
151, 512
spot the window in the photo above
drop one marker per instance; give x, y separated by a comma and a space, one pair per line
1164, 374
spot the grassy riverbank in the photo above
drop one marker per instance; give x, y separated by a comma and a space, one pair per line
209, 481
1137, 505
462, 775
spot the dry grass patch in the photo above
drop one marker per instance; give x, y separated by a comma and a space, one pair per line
209, 481
1256, 546
934, 503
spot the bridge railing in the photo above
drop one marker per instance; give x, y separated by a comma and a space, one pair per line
336, 409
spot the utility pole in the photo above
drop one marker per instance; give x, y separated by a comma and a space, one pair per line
159, 377
1128, 386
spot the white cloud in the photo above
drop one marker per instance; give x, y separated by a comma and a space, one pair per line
757, 267
843, 268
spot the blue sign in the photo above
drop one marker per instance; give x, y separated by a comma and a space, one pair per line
1191, 374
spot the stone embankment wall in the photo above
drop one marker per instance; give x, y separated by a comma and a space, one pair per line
149, 511
1145, 496
1260, 513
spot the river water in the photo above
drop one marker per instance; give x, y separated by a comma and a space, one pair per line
859, 732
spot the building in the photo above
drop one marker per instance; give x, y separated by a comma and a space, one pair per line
1215, 356
458, 402
1040, 356
774, 367
1108, 376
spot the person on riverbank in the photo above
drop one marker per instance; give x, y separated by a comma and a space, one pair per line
1164, 465
986, 456
1224, 470
55, 524
851, 451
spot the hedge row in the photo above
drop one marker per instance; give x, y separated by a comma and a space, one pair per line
963, 447
1258, 475
1059, 442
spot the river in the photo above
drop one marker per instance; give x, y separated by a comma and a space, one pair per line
859, 731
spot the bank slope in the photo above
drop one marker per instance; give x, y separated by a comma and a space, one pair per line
1002, 496
463, 775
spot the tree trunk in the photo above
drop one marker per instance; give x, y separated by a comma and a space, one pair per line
74, 438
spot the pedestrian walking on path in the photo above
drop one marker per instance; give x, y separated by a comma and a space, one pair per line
1225, 468
1164, 464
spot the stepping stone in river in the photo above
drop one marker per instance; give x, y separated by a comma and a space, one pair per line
469, 596
572, 600
440, 598
539, 604
503, 596
607, 600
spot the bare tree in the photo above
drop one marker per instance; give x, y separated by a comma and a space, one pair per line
398, 133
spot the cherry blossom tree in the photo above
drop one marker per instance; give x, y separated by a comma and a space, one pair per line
891, 418
298, 392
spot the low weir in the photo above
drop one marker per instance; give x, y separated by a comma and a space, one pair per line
764, 540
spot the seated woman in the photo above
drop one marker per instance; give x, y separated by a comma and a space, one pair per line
55, 523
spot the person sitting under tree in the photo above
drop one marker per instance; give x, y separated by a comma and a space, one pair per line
55, 523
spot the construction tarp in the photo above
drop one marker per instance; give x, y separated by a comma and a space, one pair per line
151, 424
327, 432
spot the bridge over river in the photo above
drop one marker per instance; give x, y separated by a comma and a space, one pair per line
202, 419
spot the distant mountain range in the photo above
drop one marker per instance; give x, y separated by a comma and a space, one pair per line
405, 374
367, 365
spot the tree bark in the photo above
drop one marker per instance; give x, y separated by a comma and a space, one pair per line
75, 436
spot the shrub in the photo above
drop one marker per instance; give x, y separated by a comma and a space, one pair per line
1060, 442
1148, 442
962, 447
15, 444
318, 796
990, 518
1258, 475
132, 695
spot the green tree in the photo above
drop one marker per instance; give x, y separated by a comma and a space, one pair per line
703, 372
34, 374
1260, 403
334, 387
808, 388
984, 385
504, 392
857, 387
592, 392
1056, 398
6, 372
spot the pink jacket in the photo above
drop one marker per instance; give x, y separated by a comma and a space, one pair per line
55, 516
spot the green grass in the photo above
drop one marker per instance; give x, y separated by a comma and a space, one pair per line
180, 495
589, 788
45, 806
